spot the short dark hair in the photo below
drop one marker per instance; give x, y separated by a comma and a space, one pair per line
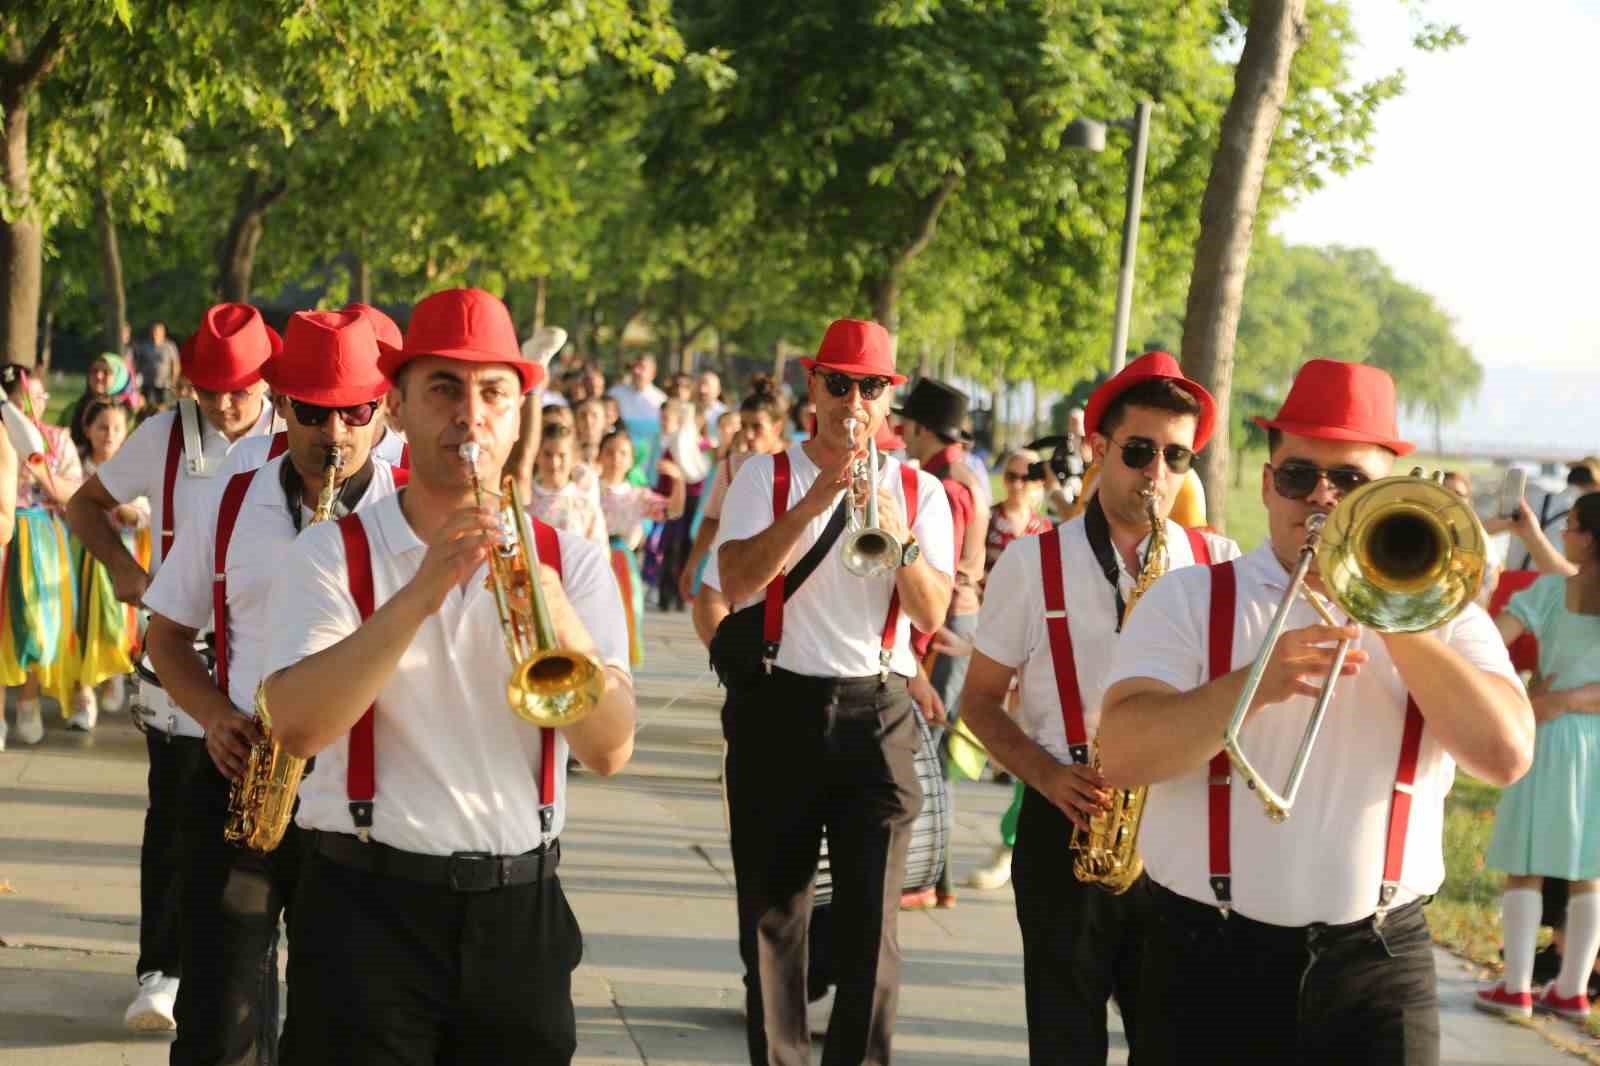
1586, 510
1580, 474
1160, 393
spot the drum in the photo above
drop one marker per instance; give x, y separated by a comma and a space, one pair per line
925, 855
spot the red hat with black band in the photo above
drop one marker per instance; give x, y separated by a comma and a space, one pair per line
1152, 366
329, 358
229, 349
1334, 400
861, 349
466, 324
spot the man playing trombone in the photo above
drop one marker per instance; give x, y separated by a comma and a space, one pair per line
1303, 941
430, 925
1081, 943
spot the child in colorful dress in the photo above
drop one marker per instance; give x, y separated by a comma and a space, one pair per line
626, 507
557, 498
37, 638
107, 629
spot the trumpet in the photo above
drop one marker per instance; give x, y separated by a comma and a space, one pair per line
1398, 555
550, 686
868, 548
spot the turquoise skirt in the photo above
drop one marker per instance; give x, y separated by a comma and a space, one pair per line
1548, 823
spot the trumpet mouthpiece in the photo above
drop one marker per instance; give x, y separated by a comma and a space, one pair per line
1314, 523
469, 452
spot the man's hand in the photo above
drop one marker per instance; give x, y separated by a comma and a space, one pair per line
1301, 660
927, 700
228, 742
457, 549
130, 583
945, 642
831, 480
1078, 791
685, 584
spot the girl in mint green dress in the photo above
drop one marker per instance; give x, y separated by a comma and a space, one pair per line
1548, 823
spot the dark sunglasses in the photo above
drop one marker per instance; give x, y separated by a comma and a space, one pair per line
1137, 453
1296, 480
839, 384
310, 414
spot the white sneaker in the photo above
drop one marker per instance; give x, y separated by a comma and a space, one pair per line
113, 694
30, 723
820, 1013
997, 874
85, 711
151, 1009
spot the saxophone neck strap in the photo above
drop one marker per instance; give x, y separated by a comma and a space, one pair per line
1098, 529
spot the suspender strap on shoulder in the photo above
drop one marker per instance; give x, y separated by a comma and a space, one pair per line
169, 482
1060, 636
548, 545
1224, 594
891, 622
279, 445
1405, 778
227, 517
1199, 547
772, 614
361, 768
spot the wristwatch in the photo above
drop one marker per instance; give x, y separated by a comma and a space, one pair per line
909, 552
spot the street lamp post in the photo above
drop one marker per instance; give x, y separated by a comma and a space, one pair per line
1091, 135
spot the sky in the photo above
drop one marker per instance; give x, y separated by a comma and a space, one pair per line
1483, 185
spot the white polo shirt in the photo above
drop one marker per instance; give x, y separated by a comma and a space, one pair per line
1325, 863
1011, 627
637, 405
262, 537
456, 769
139, 469
833, 626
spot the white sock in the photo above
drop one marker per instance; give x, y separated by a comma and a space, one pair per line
1583, 943
1519, 925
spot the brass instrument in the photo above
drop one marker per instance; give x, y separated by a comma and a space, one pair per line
550, 686
868, 548
261, 801
1398, 555
1107, 852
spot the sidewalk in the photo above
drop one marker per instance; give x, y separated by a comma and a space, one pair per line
646, 865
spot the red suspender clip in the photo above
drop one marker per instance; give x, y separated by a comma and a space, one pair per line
772, 612
1061, 655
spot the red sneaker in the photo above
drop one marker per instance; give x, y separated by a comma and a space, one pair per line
920, 899
1575, 1007
1496, 1000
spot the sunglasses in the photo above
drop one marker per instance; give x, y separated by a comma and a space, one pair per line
310, 414
1137, 454
839, 384
1296, 480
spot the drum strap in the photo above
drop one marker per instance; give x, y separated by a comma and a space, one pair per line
361, 773
1059, 634
186, 434
1224, 596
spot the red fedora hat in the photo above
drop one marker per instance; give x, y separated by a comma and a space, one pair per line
1335, 400
329, 358
229, 348
1152, 366
383, 326
466, 324
852, 346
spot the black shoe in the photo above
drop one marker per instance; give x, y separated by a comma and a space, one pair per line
1002, 778
1546, 964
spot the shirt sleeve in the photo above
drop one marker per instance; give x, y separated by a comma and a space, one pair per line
934, 527
747, 507
181, 590
137, 468
1531, 605
1165, 639
310, 606
1009, 613
591, 586
1473, 636
719, 490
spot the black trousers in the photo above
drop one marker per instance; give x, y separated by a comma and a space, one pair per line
1081, 945
803, 754
172, 760
390, 972
233, 897
1231, 990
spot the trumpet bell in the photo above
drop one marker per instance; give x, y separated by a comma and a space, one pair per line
553, 688
868, 552
1402, 554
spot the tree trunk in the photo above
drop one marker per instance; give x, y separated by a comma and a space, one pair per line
236, 255
21, 250
999, 438
884, 292
1035, 430
363, 280
116, 296
540, 291
47, 328
1227, 220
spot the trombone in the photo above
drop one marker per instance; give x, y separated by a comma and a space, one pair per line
550, 686
868, 548
1398, 555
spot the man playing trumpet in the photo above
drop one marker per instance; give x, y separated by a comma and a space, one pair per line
1301, 941
430, 925
1081, 943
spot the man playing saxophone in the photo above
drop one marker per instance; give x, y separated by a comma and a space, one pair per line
430, 924
329, 391
1052, 610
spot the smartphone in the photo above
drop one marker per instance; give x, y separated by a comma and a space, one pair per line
1511, 492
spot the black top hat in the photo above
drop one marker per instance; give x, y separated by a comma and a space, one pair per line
937, 407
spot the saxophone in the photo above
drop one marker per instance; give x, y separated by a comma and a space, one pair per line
261, 802
1107, 852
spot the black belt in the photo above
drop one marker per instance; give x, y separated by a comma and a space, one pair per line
830, 685
465, 871
1317, 934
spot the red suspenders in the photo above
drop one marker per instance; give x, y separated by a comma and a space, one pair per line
1224, 594
361, 774
1060, 635
227, 516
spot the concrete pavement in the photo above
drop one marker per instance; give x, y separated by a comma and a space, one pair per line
646, 865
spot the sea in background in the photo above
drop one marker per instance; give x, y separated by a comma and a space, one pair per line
1533, 413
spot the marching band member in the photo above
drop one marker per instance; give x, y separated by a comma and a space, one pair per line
328, 389
429, 925
1052, 611
1302, 941
818, 721
172, 460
